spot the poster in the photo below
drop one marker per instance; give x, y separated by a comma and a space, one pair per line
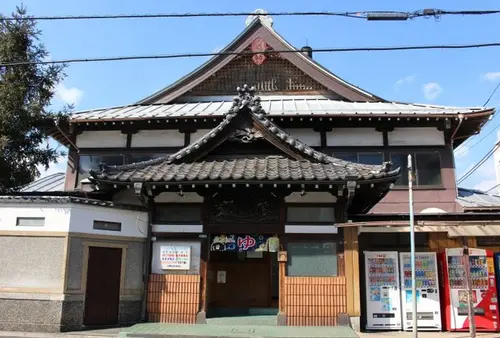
241, 243
173, 257
375, 294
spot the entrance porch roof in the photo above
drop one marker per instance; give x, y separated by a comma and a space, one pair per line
246, 126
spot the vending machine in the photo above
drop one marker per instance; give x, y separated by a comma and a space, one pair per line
455, 305
383, 305
426, 283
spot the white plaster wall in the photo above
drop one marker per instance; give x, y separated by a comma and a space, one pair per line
346, 137
134, 223
101, 139
195, 257
157, 138
199, 134
308, 136
57, 219
418, 136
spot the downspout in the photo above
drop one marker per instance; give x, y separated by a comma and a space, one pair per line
460, 120
146, 257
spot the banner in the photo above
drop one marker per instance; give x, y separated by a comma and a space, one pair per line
240, 243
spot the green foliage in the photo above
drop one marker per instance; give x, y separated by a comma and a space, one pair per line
25, 95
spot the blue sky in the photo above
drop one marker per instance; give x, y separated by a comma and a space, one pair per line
457, 77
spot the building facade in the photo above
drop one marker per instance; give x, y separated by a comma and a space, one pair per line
250, 186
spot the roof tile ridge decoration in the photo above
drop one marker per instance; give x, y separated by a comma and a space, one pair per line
246, 99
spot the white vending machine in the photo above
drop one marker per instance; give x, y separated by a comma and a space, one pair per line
426, 282
383, 305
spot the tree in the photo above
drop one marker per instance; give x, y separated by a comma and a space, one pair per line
25, 94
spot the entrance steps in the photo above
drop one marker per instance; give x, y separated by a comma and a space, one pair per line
258, 320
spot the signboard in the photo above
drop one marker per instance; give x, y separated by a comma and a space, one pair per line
173, 257
241, 243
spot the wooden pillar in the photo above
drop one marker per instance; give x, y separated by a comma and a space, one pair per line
351, 259
282, 259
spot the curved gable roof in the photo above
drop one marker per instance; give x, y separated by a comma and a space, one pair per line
256, 29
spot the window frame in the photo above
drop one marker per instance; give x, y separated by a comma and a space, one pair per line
179, 205
309, 205
339, 252
32, 219
97, 222
358, 153
416, 184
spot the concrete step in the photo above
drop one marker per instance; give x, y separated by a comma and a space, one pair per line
244, 320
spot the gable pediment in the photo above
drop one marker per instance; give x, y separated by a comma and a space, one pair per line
273, 68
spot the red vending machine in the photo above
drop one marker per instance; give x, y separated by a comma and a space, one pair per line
454, 302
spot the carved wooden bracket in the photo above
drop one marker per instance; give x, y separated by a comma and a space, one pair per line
282, 256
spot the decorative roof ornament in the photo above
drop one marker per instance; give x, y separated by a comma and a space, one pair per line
262, 15
246, 98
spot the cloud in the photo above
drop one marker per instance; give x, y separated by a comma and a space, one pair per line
405, 80
53, 168
486, 185
492, 76
432, 90
71, 95
462, 151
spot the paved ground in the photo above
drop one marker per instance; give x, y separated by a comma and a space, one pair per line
229, 331
425, 335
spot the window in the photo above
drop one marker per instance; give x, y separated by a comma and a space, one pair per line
178, 213
312, 259
111, 226
134, 158
89, 162
426, 168
310, 215
30, 221
364, 158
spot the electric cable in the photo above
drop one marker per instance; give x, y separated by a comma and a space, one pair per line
382, 15
227, 53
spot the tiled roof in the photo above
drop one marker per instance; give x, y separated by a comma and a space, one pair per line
274, 107
471, 198
270, 168
307, 164
54, 182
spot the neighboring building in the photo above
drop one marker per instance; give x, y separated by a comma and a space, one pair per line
199, 191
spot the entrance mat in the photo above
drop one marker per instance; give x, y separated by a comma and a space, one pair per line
161, 330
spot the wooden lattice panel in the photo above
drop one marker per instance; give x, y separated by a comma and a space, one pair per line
314, 301
276, 74
173, 298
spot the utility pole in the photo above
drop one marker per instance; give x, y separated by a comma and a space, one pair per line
468, 286
412, 249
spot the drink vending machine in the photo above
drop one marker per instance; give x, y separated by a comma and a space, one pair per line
426, 283
454, 289
383, 303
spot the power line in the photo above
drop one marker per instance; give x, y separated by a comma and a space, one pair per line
373, 15
482, 139
484, 105
490, 189
186, 55
479, 164
491, 95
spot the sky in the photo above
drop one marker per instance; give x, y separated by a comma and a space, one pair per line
442, 77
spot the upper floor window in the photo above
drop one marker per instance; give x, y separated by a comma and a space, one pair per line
134, 158
299, 214
89, 162
426, 168
178, 213
371, 158
30, 221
